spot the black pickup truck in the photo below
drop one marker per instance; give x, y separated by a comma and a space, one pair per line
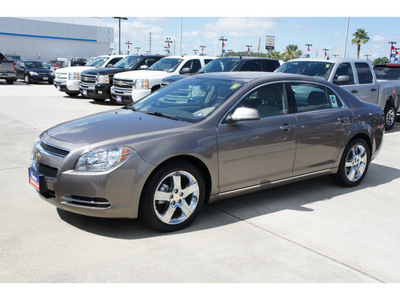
232, 64
96, 83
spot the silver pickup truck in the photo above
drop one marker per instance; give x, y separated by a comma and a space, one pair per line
354, 75
8, 70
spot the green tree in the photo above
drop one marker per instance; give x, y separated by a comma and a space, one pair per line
380, 60
291, 51
274, 54
360, 37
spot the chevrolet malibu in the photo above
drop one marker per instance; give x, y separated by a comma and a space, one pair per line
204, 138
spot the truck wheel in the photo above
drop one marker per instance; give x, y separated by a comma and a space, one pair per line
354, 163
390, 116
10, 81
27, 79
173, 196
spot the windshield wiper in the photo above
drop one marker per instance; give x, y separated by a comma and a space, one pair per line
158, 114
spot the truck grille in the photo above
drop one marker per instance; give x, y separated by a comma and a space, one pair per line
123, 84
61, 77
88, 78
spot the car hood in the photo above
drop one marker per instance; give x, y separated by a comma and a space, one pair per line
114, 127
142, 74
40, 70
73, 69
107, 71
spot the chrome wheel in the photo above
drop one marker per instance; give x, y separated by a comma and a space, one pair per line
176, 197
390, 117
356, 162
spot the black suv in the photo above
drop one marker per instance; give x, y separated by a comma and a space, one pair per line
96, 83
232, 64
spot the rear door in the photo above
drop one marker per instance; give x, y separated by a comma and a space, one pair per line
367, 85
322, 128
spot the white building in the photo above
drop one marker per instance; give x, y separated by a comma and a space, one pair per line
48, 38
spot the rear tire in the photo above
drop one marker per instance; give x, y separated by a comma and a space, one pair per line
173, 196
354, 163
10, 81
390, 116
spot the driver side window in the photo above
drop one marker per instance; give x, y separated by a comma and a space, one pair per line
344, 69
270, 100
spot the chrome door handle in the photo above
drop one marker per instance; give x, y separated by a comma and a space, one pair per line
373, 90
354, 91
286, 127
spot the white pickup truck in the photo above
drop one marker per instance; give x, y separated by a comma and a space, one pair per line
67, 79
133, 85
354, 75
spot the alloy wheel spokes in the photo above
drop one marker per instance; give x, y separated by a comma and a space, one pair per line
356, 162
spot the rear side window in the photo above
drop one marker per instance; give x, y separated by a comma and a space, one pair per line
252, 65
270, 65
311, 97
364, 73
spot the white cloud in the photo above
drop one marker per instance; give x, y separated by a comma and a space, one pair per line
191, 34
240, 27
378, 38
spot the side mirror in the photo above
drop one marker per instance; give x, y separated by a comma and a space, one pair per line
243, 114
342, 80
185, 71
143, 67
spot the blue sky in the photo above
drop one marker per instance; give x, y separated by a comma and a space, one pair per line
320, 23
321, 32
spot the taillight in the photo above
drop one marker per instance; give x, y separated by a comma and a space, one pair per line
15, 67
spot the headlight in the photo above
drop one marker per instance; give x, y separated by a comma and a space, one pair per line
141, 83
33, 73
103, 160
73, 75
103, 79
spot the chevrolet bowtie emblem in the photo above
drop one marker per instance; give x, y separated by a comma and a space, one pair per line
38, 156
120, 83
85, 78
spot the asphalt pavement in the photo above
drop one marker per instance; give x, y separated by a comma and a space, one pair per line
312, 231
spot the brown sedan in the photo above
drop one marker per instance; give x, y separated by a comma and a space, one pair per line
205, 138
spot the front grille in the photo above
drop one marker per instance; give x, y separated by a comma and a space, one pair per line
123, 83
46, 170
88, 78
54, 150
92, 202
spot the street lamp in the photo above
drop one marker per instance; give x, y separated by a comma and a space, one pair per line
119, 32
223, 44
128, 43
168, 41
202, 49
308, 50
326, 53
195, 51
137, 48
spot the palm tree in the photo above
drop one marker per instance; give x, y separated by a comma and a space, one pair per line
291, 52
360, 37
274, 54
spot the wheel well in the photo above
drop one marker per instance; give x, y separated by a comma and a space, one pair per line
194, 161
364, 137
156, 87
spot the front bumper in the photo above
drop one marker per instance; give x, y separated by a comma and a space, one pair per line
41, 77
128, 96
8, 75
98, 91
111, 194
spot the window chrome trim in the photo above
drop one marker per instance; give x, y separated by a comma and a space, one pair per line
344, 105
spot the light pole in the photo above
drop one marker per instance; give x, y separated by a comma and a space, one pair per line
168, 41
137, 48
202, 49
223, 45
248, 49
308, 50
326, 53
195, 51
391, 50
119, 31
128, 43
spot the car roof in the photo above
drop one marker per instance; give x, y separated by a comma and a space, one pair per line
265, 76
246, 58
333, 60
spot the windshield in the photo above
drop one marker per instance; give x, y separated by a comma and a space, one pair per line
191, 99
98, 62
387, 72
221, 65
34, 65
167, 64
317, 69
128, 63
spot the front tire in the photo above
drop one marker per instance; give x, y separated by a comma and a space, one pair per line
173, 197
27, 79
354, 163
390, 116
72, 94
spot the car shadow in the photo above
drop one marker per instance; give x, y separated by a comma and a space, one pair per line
104, 103
293, 196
